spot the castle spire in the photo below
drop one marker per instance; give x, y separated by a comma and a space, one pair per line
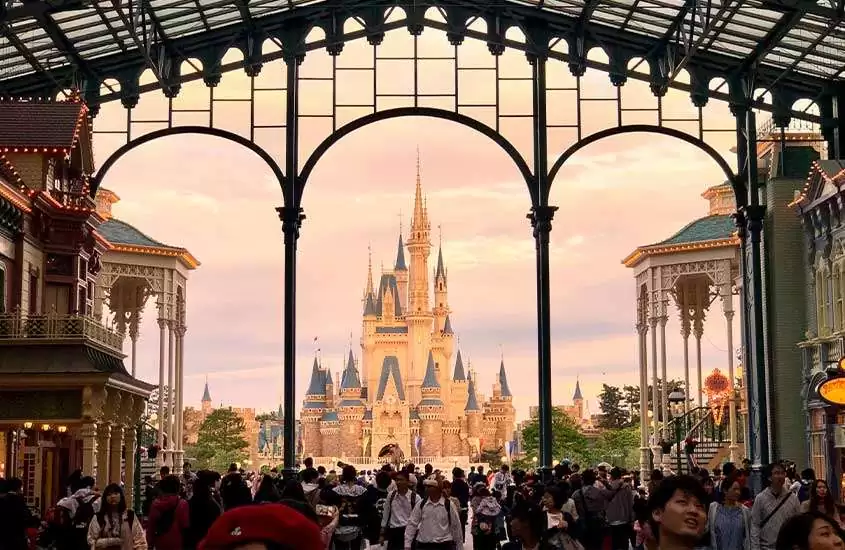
400, 256
472, 398
317, 385
369, 290
430, 380
577, 395
459, 375
419, 221
206, 395
503, 380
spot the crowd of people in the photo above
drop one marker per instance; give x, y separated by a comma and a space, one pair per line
411, 508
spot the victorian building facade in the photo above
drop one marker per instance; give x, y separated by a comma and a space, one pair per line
66, 400
410, 387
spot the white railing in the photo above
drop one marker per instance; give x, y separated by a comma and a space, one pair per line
369, 463
16, 326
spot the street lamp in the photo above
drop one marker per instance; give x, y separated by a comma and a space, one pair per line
676, 403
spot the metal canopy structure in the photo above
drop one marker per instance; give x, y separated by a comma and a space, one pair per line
797, 44
768, 55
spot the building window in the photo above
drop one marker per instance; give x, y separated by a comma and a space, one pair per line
3, 289
822, 300
33, 293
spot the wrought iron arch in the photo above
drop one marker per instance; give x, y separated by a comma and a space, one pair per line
400, 112
736, 183
176, 130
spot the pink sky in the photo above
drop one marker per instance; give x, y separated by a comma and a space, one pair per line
218, 199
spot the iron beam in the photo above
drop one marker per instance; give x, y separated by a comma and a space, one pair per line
559, 24
773, 37
292, 217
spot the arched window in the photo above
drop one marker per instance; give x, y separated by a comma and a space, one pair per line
837, 296
821, 299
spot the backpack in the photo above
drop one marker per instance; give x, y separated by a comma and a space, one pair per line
84, 511
165, 522
58, 517
389, 504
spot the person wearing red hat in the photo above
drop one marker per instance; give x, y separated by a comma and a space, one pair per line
263, 527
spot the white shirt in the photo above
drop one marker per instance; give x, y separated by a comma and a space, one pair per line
431, 524
399, 512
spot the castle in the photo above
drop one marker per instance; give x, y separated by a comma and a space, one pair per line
409, 390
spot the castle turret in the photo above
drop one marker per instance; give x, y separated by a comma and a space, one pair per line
578, 400
401, 271
430, 410
205, 404
419, 316
500, 414
312, 412
441, 295
458, 396
474, 419
351, 411
368, 330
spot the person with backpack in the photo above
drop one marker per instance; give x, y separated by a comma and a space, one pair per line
15, 517
115, 527
72, 516
434, 523
397, 511
169, 517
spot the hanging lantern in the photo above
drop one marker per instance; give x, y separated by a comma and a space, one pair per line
717, 386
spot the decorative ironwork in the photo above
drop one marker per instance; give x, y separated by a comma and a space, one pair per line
17, 327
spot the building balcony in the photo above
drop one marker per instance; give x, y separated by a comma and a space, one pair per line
22, 328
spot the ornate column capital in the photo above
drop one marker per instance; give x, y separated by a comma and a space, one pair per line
93, 403
541, 219
162, 323
642, 328
291, 218
180, 330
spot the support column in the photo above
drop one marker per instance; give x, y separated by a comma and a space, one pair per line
180, 394
642, 335
116, 454
686, 329
103, 450
162, 413
698, 332
664, 401
750, 224
88, 434
134, 322
129, 446
655, 390
171, 405
728, 307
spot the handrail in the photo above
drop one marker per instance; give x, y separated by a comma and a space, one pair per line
18, 325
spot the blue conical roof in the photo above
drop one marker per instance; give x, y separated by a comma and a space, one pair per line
206, 395
328, 377
317, 385
459, 375
351, 381
400, 256
441, 270
447, 326
577, 395
430, 380
370, 305
472, 399
503, 380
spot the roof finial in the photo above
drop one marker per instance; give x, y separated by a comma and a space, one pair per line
400, 222
440, 235
418, 164
501, 352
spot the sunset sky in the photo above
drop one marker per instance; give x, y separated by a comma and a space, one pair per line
217, 199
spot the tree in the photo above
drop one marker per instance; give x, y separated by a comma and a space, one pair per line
220, 440
631, 399
493, 457
613, 413
567, 441
265, 417
620, 447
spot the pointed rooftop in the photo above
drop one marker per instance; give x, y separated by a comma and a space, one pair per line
328, 377
351, 380
460, 375
430, 379
503, 380
441, 270
390, 371
370, 306
577, 395
317, 385
472, 398
447, 326
206, 395
400, 256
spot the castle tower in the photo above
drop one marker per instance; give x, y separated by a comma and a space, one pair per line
578, 401
312, 412
351, 411
441, 294
400, 269
419, 316
474, 419
368, 334
430, 410
458, 397
505, 413
206, 401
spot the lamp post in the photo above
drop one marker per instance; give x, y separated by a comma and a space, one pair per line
676, 403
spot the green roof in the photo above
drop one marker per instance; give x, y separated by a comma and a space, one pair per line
709, 228
119, 232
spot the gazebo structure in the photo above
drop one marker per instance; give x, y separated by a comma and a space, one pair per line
758, 56
134, 269
688, 272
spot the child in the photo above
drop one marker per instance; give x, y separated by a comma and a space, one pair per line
328, 511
